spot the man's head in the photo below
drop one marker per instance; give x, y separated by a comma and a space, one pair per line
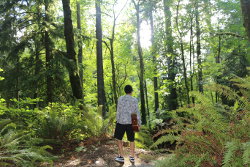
128, 89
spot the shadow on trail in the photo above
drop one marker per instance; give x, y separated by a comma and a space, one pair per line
101, 154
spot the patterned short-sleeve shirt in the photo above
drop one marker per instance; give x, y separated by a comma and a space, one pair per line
127, 105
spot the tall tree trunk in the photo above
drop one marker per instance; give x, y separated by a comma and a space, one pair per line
48, 57
111, 50
143, 109
17, 91
198, 49
190, 57
217, 60
147, 104
80, 43
37, 69
172, 98
38, 62
71, 55
113, 61
245, 6
184, 70
182, 55
155, 79
99, 59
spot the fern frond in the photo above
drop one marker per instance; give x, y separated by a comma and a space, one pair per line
4, 122
246, 153
167, 138
242, 82
231, 148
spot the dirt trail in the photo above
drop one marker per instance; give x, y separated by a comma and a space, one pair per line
101, 154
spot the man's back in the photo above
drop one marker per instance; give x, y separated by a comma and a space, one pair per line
127, 105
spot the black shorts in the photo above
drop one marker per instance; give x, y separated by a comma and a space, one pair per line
120, 129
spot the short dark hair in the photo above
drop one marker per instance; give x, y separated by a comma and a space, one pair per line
128, 89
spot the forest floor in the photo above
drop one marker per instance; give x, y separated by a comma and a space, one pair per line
102, 153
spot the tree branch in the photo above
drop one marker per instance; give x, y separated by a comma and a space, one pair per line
230, 34
106, 45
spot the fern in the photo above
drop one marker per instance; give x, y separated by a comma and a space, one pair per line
211, 134
174, 160
94, 125
144, 138
17, 149
237, 154
231, 148
246, 153
4, 122
167, 138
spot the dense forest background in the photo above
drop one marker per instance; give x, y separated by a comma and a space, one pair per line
65, 63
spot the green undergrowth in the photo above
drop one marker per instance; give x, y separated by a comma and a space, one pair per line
18, 148
211, 134
28, 134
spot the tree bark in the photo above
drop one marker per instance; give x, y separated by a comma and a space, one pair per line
99, 59
171, 61
113, 61
112, 54
198, 49
143, 108
48, 57
155, 79
217, 60
147, 104
37, 69
190, 57
245, 6
184, 71
71, 55
79, 27
38, 61
182, 55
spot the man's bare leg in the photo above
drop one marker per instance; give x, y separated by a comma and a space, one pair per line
120, 147
132, 149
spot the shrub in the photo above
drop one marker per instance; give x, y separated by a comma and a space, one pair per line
212, 134
20, 149
144, 138
94, 125
57, 121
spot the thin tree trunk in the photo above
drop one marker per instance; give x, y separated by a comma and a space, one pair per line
113, 61
184, 71
146, 93
38, 62
182, 55
180, 98
71, 55
217, 59
143, 109
155, 79
245, 6
37, 69
172, 98
18, 68
17, 78
198, 49
99, 59
48, 57
79, 27
111, 50
190, 58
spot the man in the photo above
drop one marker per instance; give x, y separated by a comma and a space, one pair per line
126, 105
